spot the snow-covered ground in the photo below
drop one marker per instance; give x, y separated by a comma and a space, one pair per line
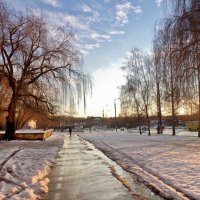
168, 164
29, 131
24, 166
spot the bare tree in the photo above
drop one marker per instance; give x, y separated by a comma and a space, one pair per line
139, 83
158, 69
147, 86
35, 57
130, 103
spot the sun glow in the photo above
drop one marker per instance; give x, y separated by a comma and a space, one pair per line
105, 91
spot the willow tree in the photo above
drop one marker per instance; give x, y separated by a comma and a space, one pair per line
187, 32
179, 45
184, 30
36, 58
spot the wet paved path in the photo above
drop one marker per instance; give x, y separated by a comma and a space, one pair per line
84, 173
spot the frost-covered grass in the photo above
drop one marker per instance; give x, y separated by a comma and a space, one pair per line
24, 166
170, 164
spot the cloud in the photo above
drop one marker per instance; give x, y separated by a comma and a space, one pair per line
87, 35
91, 35
137, 9
86, 8
86, 48
74, 21
99, 37
62, 19
53, 3
122, 11
158, 2
84, 52
116, 32
91, 46
83, 33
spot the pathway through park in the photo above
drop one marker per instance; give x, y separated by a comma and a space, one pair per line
82, 172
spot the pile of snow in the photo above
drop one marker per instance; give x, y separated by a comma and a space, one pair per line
168, 164
24, 166
29, 131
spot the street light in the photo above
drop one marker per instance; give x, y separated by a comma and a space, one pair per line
115, 114
103, 114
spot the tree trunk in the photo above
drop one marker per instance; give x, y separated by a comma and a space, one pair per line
138, 118
172, 99
148, 124
10, 122
158, 96
140, 129
173, 119
159, 116
10, 130
149, 132
199, 101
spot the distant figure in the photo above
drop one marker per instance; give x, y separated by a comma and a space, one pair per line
70, 131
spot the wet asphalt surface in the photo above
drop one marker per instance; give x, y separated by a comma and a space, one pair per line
82, 172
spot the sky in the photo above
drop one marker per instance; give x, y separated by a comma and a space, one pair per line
105, 31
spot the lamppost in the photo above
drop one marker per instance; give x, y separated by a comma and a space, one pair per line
115, 114
103, 113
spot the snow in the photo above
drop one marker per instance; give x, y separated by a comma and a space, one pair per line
168, 164
24, 166
30, 131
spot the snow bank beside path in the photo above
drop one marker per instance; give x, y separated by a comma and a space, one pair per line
24, 166
169, 164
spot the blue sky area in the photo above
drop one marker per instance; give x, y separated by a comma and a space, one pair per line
105, 31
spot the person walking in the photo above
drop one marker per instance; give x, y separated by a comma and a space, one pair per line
70, 131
